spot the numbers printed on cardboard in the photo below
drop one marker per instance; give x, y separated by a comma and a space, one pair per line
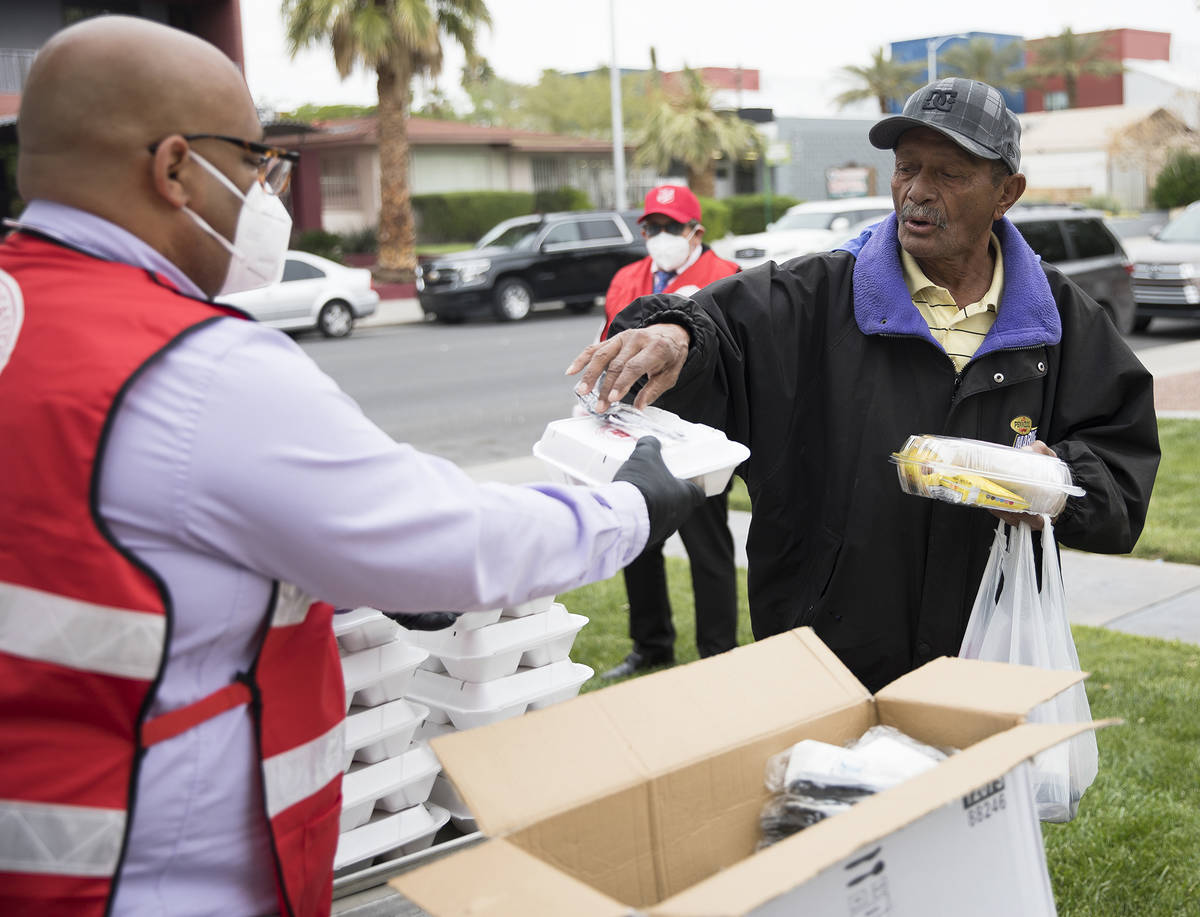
984, 810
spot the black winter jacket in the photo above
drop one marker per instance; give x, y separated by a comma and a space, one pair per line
823, 367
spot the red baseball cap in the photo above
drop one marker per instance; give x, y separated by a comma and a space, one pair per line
674, 201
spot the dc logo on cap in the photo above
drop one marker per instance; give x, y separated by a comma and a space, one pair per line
940, 100
665, 195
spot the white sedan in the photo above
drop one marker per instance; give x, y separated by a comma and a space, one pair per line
314, 293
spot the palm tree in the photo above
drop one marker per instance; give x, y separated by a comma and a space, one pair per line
884, 79
684, 128
1071, 56
984, 60
399, 40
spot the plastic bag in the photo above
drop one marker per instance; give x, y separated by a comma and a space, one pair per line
1012, 621
812, 780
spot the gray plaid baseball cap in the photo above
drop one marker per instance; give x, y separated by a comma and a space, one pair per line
970, 113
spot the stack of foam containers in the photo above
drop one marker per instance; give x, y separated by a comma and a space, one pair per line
386, 812
491, 666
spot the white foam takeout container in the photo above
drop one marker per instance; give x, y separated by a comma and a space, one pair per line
496, 650
363, 628
590, 449
393, 785
532, 607
380, 673
977, 473
467, 705
445, 795
374, 734
389, 836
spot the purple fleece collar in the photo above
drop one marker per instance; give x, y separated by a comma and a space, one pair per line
1027, 315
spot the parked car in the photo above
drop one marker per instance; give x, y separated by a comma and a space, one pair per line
562, 257
1080, 244
1166, 270
314, 293
813, 226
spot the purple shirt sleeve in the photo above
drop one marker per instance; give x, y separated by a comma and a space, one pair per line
280, 470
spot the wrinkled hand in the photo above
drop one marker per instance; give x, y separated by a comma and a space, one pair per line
1034, 522
657, 352
669, 500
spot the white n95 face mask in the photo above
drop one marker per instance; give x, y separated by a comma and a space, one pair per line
260, 241
668, 251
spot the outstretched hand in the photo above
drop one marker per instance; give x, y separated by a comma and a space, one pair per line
657, 352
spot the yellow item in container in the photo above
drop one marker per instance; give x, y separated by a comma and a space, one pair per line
973, 473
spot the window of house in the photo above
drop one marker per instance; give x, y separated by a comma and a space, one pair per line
1056, 101
1090, 238
1045, 238
339, 183
549, 174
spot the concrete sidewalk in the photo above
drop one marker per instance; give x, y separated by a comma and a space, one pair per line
1146, 597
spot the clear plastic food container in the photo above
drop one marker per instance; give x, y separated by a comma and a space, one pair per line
976, 473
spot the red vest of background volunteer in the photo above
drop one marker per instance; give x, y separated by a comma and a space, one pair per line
84, 624
637, 279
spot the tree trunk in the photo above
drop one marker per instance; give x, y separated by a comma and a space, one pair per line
883, 104
397, 231
1072, 89
703, 182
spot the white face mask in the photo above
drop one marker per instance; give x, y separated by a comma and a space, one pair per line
260, 241
668, 251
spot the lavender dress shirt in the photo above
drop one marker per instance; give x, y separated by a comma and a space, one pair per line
233, 462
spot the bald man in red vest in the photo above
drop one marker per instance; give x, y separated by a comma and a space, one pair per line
679, 262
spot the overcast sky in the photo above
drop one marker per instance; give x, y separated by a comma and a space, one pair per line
797, 46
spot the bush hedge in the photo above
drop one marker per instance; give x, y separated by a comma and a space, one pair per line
562, 199
320, 242
749, 212
1179, 181
714, 215
458, 216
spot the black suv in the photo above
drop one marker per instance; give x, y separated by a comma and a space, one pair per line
1080, 244
565, 257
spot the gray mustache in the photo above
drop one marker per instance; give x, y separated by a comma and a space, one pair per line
925, 214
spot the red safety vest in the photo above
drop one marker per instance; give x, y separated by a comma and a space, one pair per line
637, 279
84, 624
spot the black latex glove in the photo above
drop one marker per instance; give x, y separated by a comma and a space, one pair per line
426, 620
669, 500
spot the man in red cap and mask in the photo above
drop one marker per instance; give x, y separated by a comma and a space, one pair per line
678, 263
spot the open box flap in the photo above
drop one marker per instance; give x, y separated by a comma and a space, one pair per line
496, 879
1001, 692
520, 771
789, 863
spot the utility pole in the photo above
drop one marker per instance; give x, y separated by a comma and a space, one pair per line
931, 49
618, 121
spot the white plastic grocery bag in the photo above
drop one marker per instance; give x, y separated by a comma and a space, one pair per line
1012, 621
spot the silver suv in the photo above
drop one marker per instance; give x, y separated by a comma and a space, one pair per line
1166, 270
1080, 244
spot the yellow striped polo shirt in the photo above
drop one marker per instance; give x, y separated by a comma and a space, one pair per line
959, 331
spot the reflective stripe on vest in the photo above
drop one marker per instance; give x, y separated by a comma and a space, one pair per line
296, 774
80, 635
41, 837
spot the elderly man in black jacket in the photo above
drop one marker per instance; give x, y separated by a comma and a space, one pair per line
940, 319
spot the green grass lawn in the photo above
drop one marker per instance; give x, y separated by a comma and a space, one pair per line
1134, 850
442, 248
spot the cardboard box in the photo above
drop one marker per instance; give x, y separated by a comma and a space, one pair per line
644, 798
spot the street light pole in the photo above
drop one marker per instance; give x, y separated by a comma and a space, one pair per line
618, 121
931, 50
